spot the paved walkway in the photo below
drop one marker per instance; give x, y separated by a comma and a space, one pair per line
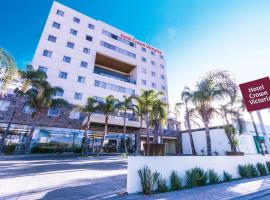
240, 190
61, 177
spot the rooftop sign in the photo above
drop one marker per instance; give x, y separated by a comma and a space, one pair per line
256, 94
140, 43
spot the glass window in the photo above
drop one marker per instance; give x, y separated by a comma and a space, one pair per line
162, 66
59, 93
91, 26
89, 38
60, 12
162, 76
153, 53
81, 79
53, 112
144, 82
144, 70
154, 85
73, 32
161, 57
70, 45
143, 59
52, 38
28, 109
4, 105
143, 49
66, 59
74, 114
78, 96
47, 53
56, 25
163, 88
86, 50
76, 20
62, 75
153, 73
97, 83
117, 49
153, 63
42, 68
115, 37
84, 64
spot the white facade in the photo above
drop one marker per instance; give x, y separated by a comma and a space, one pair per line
114, 63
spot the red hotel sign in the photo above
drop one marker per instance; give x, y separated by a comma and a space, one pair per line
140, 43
256, 94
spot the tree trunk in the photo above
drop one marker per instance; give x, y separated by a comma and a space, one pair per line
85, 144
180, 138
7, 130
125, 130
208, 139
193, 149
147, 129
257, 134
105, 134
138, 148
29, 139
156, 133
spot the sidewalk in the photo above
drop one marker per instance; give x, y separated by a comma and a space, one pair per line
240, 189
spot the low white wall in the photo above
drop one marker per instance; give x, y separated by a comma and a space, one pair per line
166, 164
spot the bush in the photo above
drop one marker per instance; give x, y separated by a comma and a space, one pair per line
262, 169
196, 177
162, 185
9, 149
148, 180
268, 166
248, 171
213, 177
77, 150
175, 181
50, 148
227, 177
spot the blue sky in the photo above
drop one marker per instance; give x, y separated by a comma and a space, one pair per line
196, 35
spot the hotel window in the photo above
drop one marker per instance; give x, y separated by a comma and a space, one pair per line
113, 87
91, 26
162, 66
74, 114
162, 76
143, 59
143, 82
153, 73
51, 38
53, 112
154, 85
56, 25
60, 12
70, 45
115, 37
143, 49
81, 79
78, 96
161, 57
84, 64
117, 49
28, 109
89, 38
163, 88
144, 70
42, 69
66, 59
153, 53
73, 32
86, 50
76, 20
47, 53
153, 63
4, 105
62, 75
59, 93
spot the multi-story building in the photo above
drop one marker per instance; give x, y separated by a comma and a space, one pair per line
88, 57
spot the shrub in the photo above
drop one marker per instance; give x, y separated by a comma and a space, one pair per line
9, 149
77, 150
227, 177
175, 181
196, 177
262, 169
162, 185
148, 180
213, 177
268, 166
248, 171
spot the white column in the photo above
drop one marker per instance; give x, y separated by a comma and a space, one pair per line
266, 139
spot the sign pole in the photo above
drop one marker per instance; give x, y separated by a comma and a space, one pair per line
266, 139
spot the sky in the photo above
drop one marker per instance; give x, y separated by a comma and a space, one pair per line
196, 35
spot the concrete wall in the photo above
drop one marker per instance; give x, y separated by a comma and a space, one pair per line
166, 164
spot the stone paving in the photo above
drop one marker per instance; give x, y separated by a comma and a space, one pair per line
61, 177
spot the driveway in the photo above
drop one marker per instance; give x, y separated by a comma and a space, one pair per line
61, 177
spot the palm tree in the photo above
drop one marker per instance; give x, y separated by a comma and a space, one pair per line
39, 96
108, 108
216, 85
177, 112
158, 115
8, 70
186, 97
125, 106
89, 108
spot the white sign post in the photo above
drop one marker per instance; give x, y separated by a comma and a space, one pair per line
266, 139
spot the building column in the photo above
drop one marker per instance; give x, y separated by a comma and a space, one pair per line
266, 139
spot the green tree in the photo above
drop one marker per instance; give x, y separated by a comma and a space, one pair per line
216, 85
177, 112
89, 108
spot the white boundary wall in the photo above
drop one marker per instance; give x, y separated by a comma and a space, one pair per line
166, 164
